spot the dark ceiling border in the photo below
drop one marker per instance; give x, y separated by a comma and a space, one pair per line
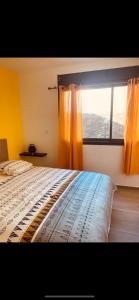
100, 76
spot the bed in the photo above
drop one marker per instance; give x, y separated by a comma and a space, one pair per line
54, 205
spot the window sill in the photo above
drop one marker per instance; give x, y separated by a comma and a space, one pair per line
114, 142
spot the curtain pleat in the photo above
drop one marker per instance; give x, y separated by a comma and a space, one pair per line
131, 137
70, 128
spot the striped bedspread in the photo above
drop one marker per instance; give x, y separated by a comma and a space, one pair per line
55, 205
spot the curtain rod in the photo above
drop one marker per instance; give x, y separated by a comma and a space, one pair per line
95, 85
52, 88
109, 84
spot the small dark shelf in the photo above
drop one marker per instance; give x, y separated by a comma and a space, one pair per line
37, 154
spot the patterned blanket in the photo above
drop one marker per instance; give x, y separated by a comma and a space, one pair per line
55, 205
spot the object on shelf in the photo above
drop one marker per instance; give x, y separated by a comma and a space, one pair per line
32, 148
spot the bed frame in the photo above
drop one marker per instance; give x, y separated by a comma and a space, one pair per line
3, 150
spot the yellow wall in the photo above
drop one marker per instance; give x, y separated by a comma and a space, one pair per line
10, 114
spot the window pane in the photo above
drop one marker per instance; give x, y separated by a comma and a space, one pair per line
96, 105
119, 111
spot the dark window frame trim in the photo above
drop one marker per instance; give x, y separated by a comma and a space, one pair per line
114, 142
107, 76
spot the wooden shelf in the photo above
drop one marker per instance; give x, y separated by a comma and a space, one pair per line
36, 154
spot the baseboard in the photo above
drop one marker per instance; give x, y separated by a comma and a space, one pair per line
127, 186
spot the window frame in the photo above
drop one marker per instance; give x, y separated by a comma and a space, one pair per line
108, 141
114, 142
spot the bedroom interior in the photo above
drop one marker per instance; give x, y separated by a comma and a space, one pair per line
81, 185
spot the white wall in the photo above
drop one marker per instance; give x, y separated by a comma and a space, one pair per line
40, 117
108, 160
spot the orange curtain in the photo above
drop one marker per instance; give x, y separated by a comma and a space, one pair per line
131, 140
70, 128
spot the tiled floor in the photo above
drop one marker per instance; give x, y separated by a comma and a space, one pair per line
125, 216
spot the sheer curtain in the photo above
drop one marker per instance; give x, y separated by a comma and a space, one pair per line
131, 139
70, 128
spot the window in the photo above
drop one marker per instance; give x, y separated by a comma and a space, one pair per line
104, 111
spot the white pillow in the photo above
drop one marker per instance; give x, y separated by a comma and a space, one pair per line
15, 167
3, 164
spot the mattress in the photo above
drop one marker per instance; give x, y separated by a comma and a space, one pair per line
55, 205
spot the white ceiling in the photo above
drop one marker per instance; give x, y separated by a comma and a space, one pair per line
29, 63
25, 64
